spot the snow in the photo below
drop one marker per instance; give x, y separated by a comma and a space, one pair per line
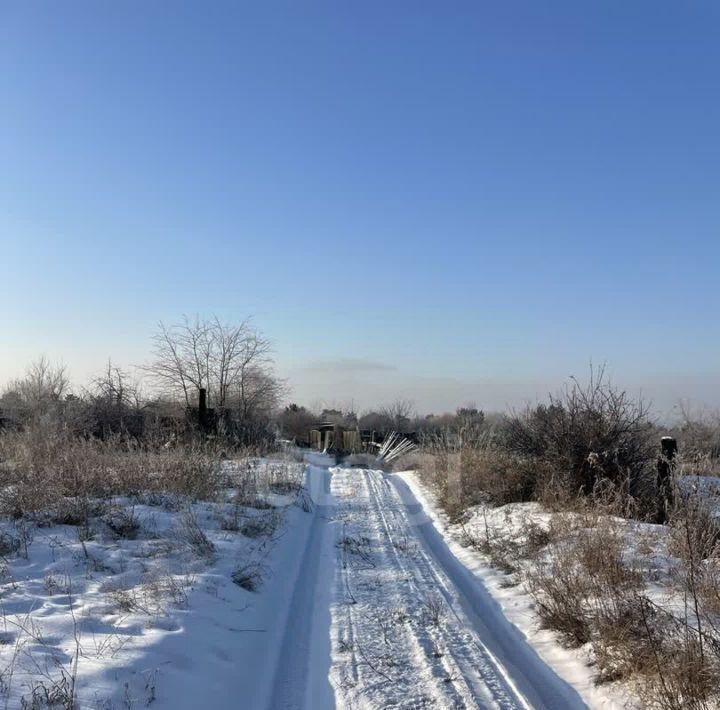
514, 603
647, 548
412, 627
358, 595
149, 620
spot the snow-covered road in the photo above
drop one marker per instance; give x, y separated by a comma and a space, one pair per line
384, 615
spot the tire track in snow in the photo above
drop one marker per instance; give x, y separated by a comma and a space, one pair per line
301, 671
441, 666
356, 615
515, 659
367, 595
484, 681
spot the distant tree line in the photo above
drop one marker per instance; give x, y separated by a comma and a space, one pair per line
295, 421
233, 364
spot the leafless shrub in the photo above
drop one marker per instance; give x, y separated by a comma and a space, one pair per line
493, 475
590, 433
247, 484
152, 595
9, 544
586, 590
249, 576
47, 695
502, 549
303, 500
684, 667
560, 588
698, 435
166, 586
584, 583
534, 537
55, 584
75, 511
283, 477
440, 469
194, 536
261, 525
127, 600
169, 501
433, 610
678, 671
122, 523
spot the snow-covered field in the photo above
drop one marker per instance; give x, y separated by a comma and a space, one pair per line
573, 665
155, 602
646, 549
352, 590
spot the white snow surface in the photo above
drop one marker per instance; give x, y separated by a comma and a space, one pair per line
514, 603
412, 626
148, 621
366, 601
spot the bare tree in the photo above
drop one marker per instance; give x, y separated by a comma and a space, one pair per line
43, 382
232, 363
116, 386
113, 395
181, 358
296, 421
42, 389
400, 413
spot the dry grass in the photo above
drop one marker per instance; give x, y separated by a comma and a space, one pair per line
193, 535
249, 576
496, 476
585, 589
37, 470
588, 461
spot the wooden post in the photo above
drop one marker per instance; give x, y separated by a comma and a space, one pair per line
665, 469
202, 408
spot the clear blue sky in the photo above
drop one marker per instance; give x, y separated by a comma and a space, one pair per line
445, 201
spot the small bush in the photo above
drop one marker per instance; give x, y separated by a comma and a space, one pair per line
122, 523
591, 433
584, 585
249, 576
75, 511
492, 475
9, 544
560, 589
193, 534
261, 525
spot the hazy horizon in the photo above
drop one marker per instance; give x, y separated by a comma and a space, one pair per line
357, 385
441, 204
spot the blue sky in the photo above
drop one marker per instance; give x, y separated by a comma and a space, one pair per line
441, 201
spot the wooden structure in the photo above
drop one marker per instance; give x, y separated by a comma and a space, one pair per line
335, 438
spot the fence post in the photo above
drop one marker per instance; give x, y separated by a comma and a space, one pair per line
665, 469
202, 408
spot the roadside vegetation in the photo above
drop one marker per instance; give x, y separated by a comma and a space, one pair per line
127, 495
564, 498
120, 504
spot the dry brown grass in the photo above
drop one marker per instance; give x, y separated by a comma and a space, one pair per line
583, 583
587, 591
38, 469
492, 475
